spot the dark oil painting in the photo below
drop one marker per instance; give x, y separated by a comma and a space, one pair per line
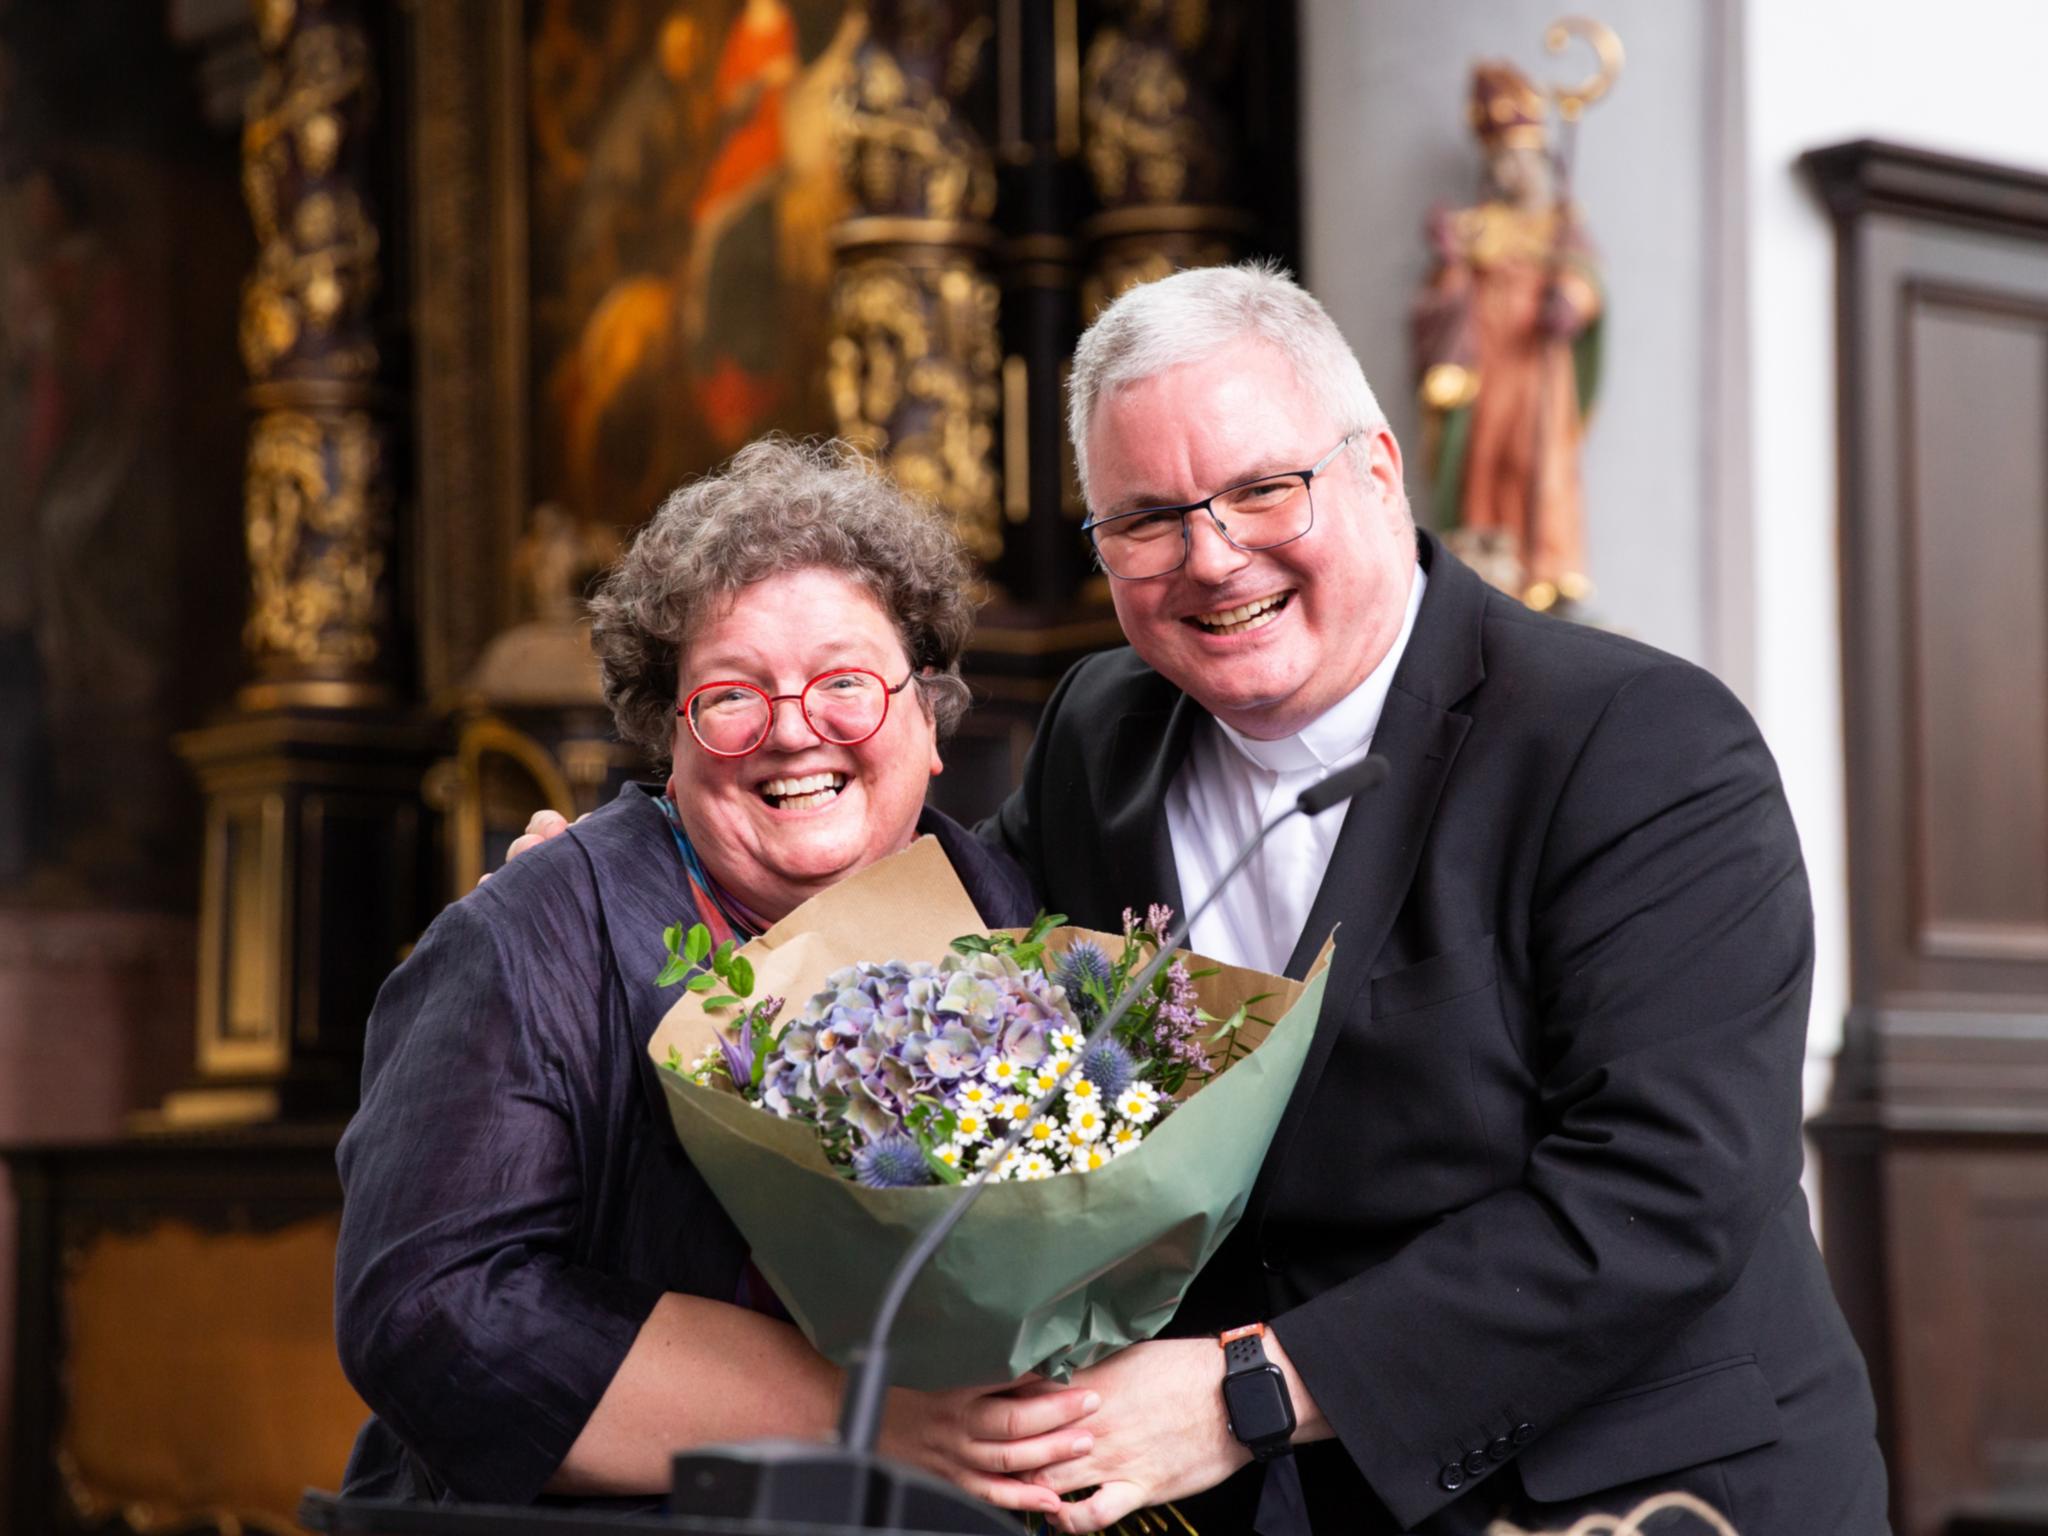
122, 246
684, 182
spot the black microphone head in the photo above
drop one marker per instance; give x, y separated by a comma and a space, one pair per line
1369, 772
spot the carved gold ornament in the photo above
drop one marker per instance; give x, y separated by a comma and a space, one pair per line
914, 376
1140, 138
316, 267
318, 522
904, 150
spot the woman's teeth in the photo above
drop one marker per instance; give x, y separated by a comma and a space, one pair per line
1256, 614
805, 794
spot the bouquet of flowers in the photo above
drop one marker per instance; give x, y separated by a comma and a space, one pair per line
916, 1073
834, 1133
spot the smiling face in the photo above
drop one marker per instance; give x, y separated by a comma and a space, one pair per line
1265, 640
797, 814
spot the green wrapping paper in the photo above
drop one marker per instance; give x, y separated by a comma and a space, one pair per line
1049, 1275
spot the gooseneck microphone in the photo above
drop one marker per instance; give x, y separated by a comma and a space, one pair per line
1368, 773
848, 1484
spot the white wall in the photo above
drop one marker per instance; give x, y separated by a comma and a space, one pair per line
1963, 78
1385, 139
1710, 467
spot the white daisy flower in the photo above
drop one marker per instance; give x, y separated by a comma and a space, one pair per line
1122, 1138
1067, 1039
969, 1127
1091, 1157
1043, 1082
1073, 1144
975, 1096
1081, 1091
1086, 1121
949, 1155
1138, 1103
1006, 1168
1003, 1072
1058, 1062
1044, 1132
1012, 1108
1034, 1165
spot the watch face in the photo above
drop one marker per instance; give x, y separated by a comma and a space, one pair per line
1257, 1403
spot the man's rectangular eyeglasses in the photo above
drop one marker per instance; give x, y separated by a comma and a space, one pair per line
1260, 514
844, 707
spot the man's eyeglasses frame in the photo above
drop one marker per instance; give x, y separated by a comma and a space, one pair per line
1207, 504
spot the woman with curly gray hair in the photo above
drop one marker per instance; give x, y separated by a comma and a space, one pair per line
535, 1291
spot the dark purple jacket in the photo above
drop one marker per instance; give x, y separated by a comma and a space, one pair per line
515, 1197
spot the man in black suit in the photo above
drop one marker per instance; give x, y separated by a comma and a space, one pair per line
1530, 1240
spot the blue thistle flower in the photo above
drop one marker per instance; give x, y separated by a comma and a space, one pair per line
1110, 1068
1084, 963
893, 1161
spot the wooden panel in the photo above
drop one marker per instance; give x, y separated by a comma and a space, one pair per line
175, 1364
202, 1375
1977, 382
1935, 1147
1969, 1252
1944, 592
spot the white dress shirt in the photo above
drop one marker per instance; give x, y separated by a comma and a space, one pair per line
1231, 785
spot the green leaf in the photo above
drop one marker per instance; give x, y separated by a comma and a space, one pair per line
703, 981
739, 975
724, 955
946, 1175
1229, 1026
699, 944
675, 1059
672, 937
673, 972
723, 1000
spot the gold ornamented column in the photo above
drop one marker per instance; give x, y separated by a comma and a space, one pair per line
915, 363
1165, 139
319, 485
314, 828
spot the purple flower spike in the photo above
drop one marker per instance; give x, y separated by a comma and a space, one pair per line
739, 1053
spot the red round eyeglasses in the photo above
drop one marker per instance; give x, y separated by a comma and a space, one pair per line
844, 707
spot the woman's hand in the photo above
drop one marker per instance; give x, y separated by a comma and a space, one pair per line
990, 1441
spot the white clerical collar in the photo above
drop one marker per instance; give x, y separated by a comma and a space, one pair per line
1346, 728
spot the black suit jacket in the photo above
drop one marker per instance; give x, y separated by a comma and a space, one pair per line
1531, 1228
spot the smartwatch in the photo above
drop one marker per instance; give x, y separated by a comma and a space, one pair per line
1255, 1394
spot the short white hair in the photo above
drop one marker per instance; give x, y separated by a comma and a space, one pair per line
1191, 316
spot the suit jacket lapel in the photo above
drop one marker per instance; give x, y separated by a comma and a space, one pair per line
1137, 846
1383, 835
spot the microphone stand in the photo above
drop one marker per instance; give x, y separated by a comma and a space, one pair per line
878, 1494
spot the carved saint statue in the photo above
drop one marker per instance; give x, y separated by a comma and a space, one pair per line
1507, 349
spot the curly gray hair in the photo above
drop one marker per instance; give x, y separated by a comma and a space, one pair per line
778, 505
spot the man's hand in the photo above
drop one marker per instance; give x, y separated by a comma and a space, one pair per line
990, 1442
541, 826
1160, 1434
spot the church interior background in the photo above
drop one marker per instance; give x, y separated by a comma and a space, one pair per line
341, 341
